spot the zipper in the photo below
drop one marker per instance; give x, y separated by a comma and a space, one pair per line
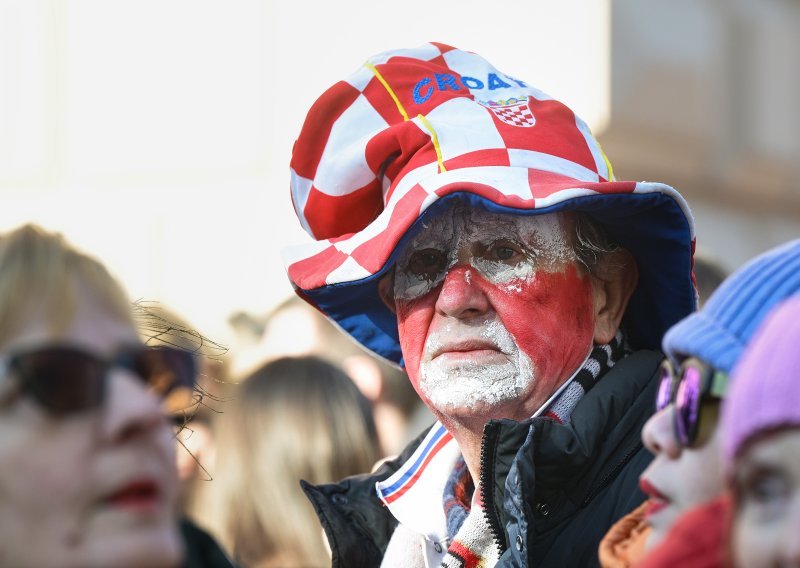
490, 510
612, 474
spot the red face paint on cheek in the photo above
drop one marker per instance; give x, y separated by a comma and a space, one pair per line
549, 315
552, 320
414, 318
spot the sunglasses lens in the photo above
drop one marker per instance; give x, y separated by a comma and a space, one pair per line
170, 374
63, 380
664, 396
687, 406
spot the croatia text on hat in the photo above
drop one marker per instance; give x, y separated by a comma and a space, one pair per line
445, 81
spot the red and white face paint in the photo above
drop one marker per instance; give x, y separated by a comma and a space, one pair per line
494, 311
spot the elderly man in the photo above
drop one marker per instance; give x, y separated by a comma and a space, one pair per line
468, 227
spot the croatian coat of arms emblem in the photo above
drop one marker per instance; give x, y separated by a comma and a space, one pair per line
513, 111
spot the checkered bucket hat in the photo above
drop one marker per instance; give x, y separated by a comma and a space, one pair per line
413, 130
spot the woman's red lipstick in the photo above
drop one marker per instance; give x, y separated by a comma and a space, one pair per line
657, 500
140, 495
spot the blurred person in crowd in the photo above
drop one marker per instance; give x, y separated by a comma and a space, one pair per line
469, 227
756, 522
87, 464
160, 325
682, 434
295, 418
293, 327
708, 275
761, 445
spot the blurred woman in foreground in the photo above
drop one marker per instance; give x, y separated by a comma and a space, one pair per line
702, 349
87, 470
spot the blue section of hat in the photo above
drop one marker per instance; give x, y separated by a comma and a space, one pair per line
719, 332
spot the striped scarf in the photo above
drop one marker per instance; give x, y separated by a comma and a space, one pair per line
602, 358
471, 543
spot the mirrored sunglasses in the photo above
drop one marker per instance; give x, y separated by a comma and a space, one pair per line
67, 379
695, 390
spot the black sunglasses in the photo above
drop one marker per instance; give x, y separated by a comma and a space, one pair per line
695, 390
68, 379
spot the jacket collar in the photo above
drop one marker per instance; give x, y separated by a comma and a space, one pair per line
609, 415
414, 492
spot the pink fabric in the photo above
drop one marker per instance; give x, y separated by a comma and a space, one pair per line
699, 539
765, 391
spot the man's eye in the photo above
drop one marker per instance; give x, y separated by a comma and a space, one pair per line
505, 251
426, 262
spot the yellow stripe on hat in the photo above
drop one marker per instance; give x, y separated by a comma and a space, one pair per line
435, 140
608, 163
389, 90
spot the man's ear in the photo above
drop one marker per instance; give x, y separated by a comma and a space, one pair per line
613, 281
386, 291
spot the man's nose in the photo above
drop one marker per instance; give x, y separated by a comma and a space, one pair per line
658, 434
461, 296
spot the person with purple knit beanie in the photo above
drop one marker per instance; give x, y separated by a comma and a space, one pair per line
761, 444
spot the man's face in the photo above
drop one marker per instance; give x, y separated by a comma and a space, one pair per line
494, 311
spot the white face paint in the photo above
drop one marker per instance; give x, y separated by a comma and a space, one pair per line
453, 384
505, 249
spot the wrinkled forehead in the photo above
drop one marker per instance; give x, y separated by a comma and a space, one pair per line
462, 225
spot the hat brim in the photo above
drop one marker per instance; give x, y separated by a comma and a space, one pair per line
650, 220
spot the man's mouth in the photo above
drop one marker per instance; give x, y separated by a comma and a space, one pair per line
657, 501
467, 348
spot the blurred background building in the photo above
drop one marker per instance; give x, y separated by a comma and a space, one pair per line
158, 134
705, 96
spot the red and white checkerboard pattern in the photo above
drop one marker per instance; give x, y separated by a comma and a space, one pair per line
407, 128
516, 115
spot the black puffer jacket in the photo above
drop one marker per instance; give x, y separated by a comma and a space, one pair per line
551, 491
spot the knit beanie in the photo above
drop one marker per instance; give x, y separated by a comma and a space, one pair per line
718, 333
766, 383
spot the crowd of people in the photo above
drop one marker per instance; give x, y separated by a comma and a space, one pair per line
499, 354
